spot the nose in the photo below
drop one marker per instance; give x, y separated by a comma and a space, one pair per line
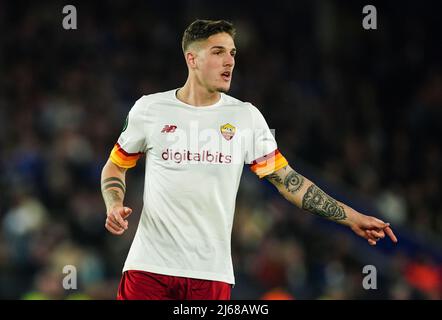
229, 61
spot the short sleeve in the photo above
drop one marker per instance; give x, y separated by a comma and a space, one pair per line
263, 155
132, 142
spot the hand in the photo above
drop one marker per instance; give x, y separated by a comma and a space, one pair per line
115, 221
372, 229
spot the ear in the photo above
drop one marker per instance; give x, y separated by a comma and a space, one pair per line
191, 59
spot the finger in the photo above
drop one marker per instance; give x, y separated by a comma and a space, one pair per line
113, 229
114, 221
371, 242
379, 224
378, 234
118, 224
115, 232
120, 220
126, 212
114, 225
371, 236
390, 233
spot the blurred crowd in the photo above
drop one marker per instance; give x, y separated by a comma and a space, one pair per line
358, 110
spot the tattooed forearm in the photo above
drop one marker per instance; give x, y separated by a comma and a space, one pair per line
112, 196
293, 181
318, 202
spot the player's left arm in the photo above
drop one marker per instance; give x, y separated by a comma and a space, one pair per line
306, 195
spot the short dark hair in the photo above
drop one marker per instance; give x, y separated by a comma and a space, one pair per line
203, 29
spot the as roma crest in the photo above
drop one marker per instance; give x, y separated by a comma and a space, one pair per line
228, 131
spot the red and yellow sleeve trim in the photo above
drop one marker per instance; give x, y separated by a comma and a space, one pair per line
268, 164
122, 158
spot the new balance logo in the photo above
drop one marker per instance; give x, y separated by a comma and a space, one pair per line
168, 129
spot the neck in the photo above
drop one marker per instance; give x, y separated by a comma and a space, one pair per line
196, 95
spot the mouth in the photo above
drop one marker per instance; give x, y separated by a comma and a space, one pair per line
226, 75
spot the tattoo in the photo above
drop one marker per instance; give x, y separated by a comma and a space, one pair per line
318, 202
115, 179
274, 178
111, 196
114, 185
293, 181
117, 183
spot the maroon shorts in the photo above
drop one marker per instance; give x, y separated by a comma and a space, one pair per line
142, 285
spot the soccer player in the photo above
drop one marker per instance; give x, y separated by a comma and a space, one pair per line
196, 140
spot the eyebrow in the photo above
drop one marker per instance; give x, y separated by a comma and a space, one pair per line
221, 47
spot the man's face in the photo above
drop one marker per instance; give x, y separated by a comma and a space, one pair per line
214, 62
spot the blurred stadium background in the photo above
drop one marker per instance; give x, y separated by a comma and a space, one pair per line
359, 112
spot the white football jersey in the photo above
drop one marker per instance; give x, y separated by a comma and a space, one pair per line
194, 160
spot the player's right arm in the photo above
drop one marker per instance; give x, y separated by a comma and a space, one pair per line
129, 148
113, 189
